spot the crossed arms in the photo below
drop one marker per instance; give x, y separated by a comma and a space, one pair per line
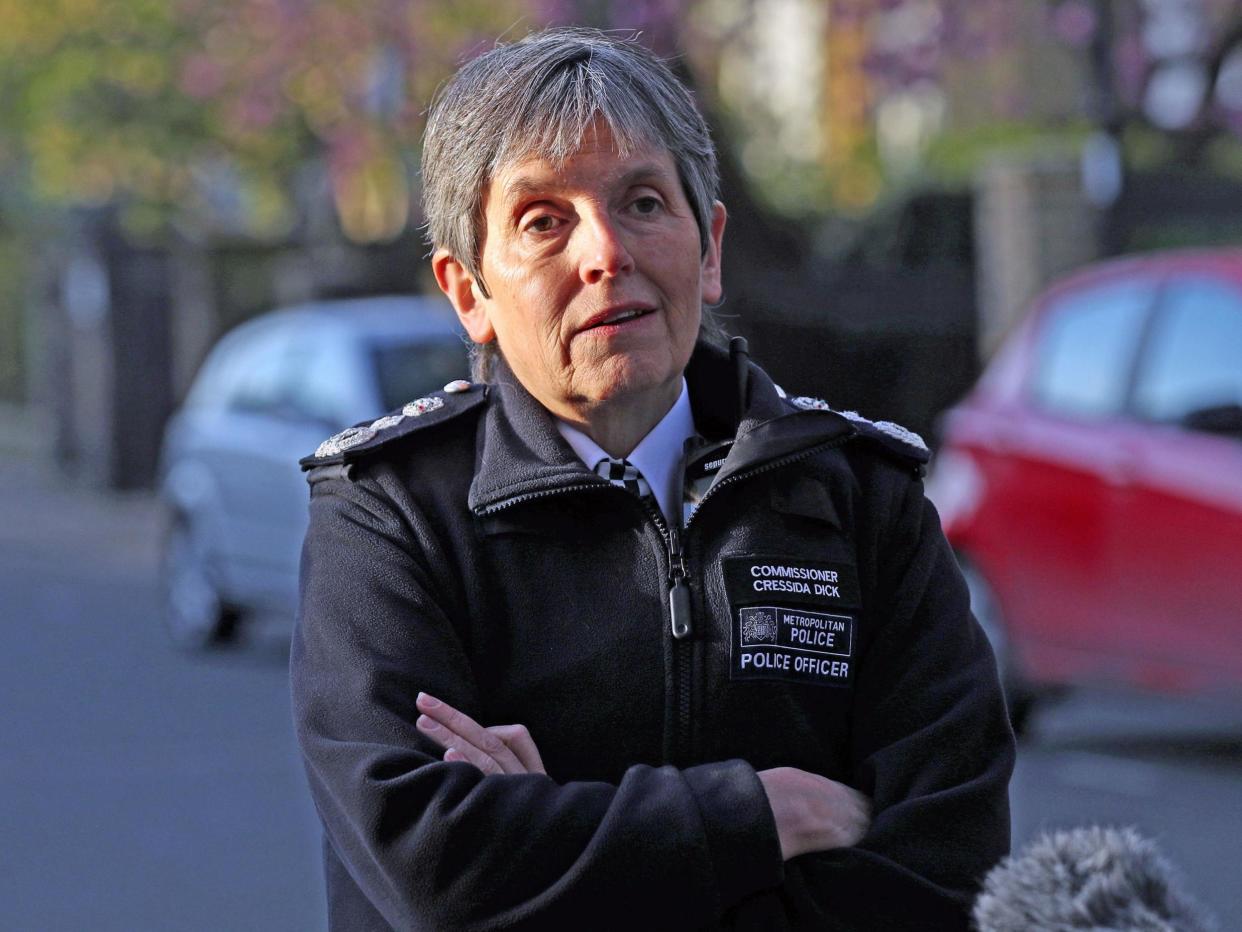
812, 813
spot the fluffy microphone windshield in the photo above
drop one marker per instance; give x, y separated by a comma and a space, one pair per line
1101, 879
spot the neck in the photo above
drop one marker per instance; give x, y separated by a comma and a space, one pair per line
619, 424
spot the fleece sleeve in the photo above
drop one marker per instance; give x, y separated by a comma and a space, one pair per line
931, 746
437, 845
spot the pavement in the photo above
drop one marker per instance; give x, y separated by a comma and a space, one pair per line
46, 515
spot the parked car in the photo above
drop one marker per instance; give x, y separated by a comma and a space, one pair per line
1091, 484
268, 393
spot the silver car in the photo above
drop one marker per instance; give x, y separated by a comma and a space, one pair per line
268, 393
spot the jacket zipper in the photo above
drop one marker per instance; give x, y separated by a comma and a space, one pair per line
678, 589
680, 623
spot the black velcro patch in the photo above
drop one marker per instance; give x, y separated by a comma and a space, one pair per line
792, 620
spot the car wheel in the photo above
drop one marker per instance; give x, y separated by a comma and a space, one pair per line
1020, 697
195, 617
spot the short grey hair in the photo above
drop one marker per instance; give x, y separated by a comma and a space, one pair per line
538, 98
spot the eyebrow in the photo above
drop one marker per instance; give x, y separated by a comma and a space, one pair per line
522, 188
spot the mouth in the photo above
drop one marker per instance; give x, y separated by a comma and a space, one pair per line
617, 316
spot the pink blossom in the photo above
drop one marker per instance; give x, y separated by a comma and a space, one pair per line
201, 77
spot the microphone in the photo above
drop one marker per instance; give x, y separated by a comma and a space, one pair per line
1092, 878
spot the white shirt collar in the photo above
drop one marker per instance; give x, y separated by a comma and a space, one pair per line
658, 455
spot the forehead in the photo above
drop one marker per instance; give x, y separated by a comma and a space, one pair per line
597, 161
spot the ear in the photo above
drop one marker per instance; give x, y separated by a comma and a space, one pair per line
712, 289
463, 292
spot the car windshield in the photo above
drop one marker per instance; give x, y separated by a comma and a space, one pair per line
407, 370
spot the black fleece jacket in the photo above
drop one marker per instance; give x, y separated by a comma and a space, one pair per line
466, 552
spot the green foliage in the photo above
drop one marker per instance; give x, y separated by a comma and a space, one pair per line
214, 107
955, 156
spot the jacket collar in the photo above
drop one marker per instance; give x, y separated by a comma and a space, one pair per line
520, 452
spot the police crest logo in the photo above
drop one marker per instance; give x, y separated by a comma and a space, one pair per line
758, 626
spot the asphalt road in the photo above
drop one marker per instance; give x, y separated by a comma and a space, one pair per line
1170, 767
143, 789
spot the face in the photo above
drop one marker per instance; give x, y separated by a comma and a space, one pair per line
596, 277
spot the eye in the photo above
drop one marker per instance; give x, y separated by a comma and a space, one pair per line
647, 205
540, 218
543, 223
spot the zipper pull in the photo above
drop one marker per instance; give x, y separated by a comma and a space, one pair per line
678, 590
679, 608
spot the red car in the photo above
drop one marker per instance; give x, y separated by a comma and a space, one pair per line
1091, 483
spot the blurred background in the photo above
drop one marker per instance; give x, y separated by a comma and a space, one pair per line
910, 182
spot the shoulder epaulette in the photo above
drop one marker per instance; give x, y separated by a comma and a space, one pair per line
364, 438
892, 437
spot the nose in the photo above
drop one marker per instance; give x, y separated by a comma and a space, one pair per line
602, 250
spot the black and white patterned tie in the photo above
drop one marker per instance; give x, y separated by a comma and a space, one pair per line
623, 473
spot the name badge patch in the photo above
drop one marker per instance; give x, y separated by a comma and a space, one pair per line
792, 619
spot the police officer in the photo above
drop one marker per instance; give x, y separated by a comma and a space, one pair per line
617, 635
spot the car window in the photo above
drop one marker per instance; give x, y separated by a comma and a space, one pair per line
1086, 349
405, 371
257, 383
1193, 361
319, 379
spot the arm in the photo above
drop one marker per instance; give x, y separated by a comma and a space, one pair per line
436, 844
812, 813
931, 746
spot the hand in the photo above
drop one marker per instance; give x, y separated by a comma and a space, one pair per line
814, 813
496, 749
